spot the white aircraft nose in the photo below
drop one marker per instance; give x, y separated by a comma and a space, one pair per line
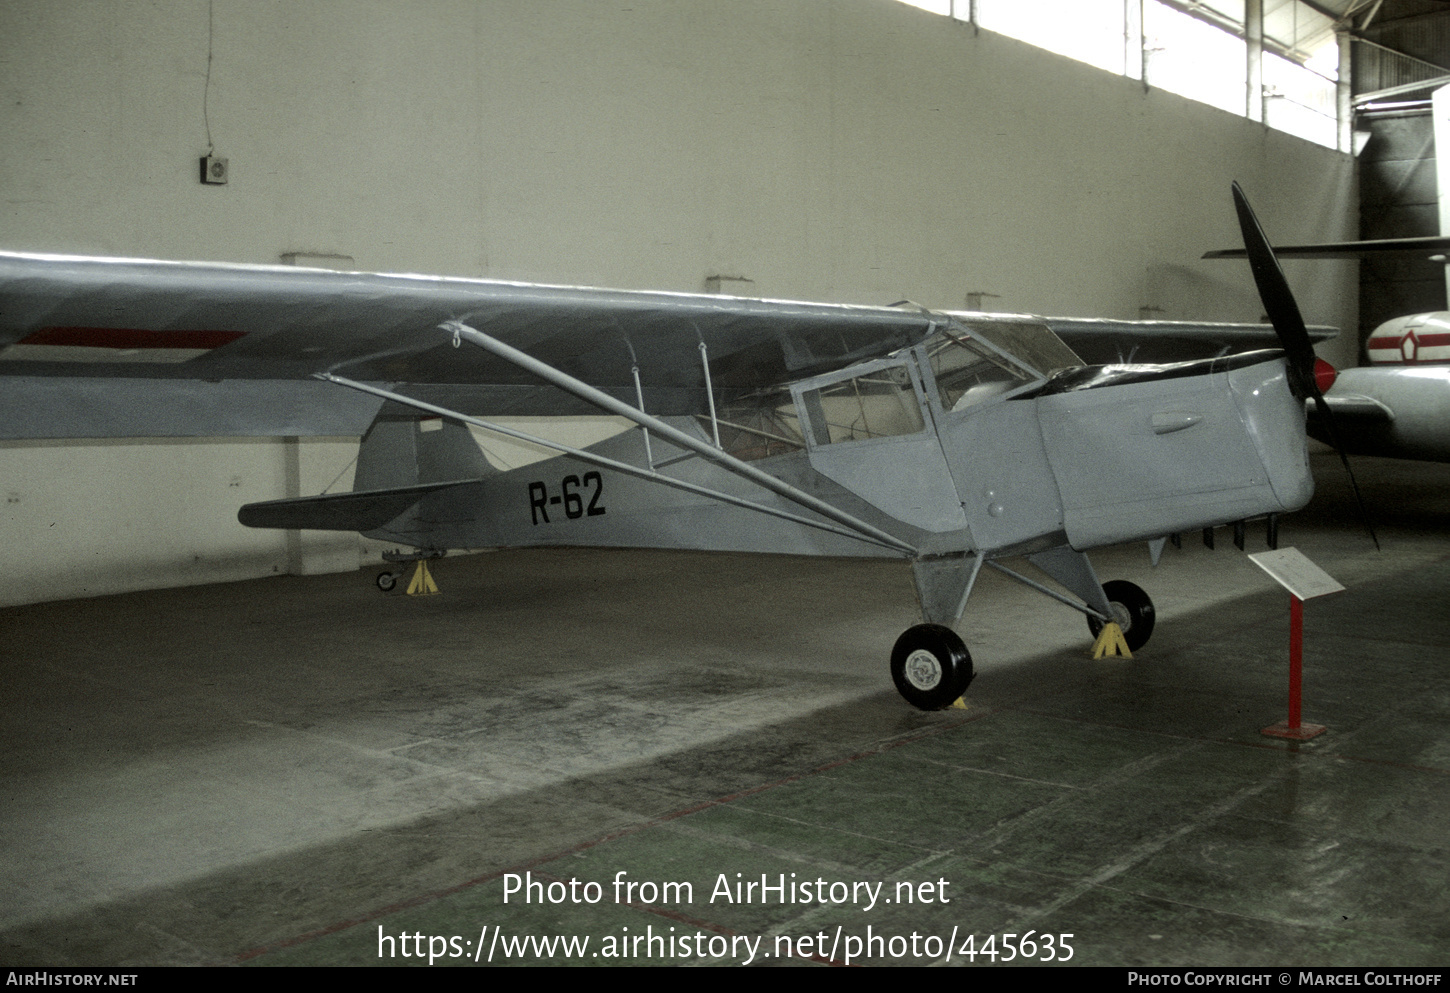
1274, 418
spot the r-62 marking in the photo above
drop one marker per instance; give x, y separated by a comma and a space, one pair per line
569, 496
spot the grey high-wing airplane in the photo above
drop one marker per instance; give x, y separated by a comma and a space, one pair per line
951, 441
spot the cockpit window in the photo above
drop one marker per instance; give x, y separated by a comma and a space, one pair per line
972, 361
878, 404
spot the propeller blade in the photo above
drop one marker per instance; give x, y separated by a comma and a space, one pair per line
1278, 299
1284, 314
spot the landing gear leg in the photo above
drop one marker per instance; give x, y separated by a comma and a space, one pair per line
422, 581
1118, 601
930, 665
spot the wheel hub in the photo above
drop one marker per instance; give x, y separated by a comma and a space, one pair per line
1121, 616
922, 670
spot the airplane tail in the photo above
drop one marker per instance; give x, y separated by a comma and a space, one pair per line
401, 460
405, 450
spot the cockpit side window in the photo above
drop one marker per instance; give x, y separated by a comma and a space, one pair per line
883, 403
880, 400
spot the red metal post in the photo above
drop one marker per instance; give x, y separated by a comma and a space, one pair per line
1296, 659
1293, 728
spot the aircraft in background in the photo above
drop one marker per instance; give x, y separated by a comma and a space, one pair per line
950, 441
1399, 405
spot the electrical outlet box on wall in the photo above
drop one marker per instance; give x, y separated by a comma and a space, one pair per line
213, 170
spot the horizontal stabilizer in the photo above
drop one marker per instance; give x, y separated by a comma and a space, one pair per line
363, 511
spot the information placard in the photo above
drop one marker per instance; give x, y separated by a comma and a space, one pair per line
1292, 570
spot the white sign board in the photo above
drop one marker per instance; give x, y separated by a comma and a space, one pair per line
1291, 570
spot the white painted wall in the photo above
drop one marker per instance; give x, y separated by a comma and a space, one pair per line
856, 150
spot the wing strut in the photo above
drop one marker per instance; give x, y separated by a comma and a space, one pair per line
649, 455
709, 391
608, 463
675, 436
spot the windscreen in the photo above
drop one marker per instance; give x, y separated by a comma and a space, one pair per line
968, 373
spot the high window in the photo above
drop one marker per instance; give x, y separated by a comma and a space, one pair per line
1196, 48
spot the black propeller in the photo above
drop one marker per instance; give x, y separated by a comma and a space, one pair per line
1293, 335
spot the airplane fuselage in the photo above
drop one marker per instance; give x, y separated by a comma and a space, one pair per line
1415, 339
1392, 411
1090, 457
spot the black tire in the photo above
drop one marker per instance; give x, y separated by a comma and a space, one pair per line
931, 666
386, 581
1134, 613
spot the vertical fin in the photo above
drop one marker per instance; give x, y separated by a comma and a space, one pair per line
405, 451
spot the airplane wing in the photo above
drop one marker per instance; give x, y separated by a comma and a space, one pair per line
1423, 247
1107, 341
110, 347
107, 347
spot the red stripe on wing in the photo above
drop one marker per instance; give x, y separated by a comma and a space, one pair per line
129, 338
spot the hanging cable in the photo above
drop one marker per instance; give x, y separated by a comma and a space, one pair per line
206, 89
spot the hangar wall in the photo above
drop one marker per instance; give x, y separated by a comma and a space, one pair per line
857, 151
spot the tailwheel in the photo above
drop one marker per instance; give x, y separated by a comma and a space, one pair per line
1131, 609
386, 581
931, 666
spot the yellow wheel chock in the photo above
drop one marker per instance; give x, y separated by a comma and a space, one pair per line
422, 583
1111, 642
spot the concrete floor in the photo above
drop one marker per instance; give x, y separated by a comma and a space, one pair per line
276, 772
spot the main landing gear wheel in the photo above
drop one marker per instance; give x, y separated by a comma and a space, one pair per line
386, 581
1131, 609
931, 666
